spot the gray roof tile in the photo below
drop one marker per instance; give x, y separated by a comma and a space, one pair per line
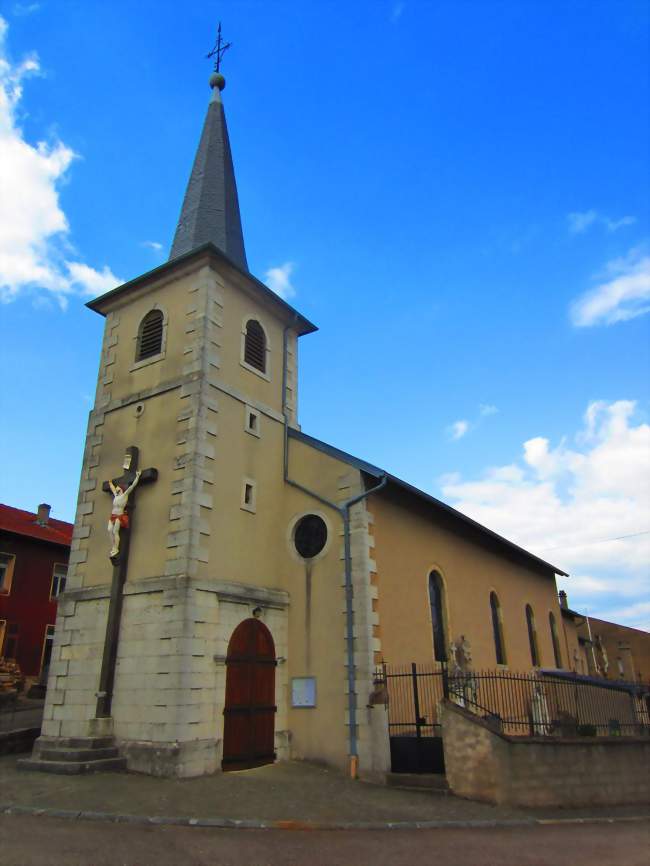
210, 211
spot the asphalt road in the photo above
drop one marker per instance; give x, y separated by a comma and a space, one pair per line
41, 841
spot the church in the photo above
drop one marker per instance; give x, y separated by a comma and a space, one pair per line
235, 582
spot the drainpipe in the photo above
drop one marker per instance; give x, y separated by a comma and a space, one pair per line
343, 510
593, 651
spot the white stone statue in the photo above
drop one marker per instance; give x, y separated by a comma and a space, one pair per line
119, 518
465, 653
454, 665
460, 655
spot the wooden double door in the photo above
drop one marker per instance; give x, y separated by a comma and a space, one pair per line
249, 713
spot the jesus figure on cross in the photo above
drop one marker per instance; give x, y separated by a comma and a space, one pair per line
119, 518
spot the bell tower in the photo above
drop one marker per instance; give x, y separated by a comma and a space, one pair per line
198, 379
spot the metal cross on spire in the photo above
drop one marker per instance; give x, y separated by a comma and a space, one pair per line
219, 49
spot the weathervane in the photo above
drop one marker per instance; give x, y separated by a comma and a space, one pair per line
218, 50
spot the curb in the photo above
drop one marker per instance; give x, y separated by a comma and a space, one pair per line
245, 824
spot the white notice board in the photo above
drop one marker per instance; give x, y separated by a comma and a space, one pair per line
303, 691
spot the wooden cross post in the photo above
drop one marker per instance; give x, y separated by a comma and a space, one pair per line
120, 565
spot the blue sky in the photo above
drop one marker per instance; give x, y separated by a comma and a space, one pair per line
456, 193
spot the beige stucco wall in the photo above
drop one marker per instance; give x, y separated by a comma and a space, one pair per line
575, 652
186, 413
409, 544
164, 405
607, 649
626, 650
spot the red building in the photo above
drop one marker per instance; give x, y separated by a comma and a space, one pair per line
34, 551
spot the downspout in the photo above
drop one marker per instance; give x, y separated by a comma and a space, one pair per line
344, 512
569, 660
593, 651
578, 624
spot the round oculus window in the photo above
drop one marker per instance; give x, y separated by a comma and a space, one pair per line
310, 535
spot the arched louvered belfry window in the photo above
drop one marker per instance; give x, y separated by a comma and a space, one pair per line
255, 345
532, 636
555, 640
436, 603
497, 629
150, 335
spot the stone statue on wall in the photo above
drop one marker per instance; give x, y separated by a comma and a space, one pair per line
460, 655
462, 683
603, 654
465, 653
119, 518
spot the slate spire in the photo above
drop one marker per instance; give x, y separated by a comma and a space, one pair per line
210, 209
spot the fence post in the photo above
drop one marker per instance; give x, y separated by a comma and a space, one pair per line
445, 680
638, 729
416, 700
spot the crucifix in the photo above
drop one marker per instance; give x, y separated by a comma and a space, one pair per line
218, 50
120, 527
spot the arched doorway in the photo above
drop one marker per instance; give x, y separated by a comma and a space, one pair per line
248, 716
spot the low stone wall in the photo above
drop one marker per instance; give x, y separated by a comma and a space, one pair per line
482, 764
20, 740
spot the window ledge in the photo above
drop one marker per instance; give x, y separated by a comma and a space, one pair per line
146, 361
257, 372
250, 508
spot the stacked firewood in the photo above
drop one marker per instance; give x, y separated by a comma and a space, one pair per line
11, 679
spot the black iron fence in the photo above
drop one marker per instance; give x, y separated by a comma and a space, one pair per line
540, 703
552, 703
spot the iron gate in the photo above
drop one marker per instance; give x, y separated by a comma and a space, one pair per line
414, 691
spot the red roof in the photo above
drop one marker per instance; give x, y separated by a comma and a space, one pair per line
24, 523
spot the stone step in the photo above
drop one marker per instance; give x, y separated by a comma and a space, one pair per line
52, 754
71, 768
433, 782
76, 742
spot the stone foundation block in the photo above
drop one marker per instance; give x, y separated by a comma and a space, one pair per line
173, 759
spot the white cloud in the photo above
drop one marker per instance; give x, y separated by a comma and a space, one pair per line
571, 503
279, 280
636, 615
90, 281
623, 295
580, 221
34, 230
457, 430
461, 427
25, 8
152, 245
615, 225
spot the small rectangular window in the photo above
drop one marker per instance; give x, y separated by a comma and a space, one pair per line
7, 562
59, 577
47, 647
251, 421
249, 495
